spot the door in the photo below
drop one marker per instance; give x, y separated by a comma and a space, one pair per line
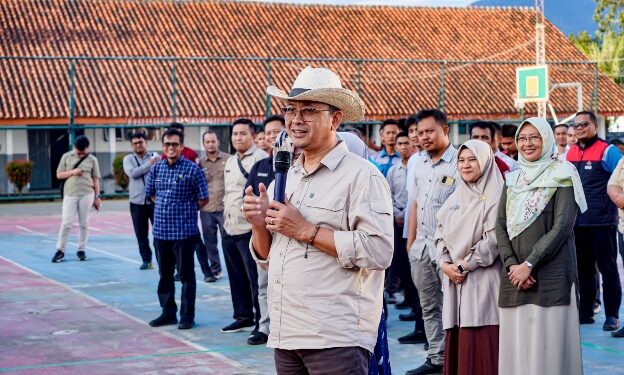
45, 148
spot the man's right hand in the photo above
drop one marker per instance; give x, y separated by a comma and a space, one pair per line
255, 207
76, 172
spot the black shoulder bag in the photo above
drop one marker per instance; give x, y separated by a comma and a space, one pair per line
62, 187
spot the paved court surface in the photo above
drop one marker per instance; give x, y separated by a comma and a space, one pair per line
91, 317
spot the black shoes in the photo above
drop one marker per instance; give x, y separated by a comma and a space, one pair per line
58, 256
426, 368
409, 317
186, 325
618, 333
239, 325
210, 279
586, 320
414, 337
258, 338
146, 266
403, 305
611, 324
164, 320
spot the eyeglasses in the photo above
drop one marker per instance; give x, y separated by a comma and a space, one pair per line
534, 139
307, 113
171, 144
583, 124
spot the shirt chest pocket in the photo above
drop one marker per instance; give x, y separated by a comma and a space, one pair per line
326, 210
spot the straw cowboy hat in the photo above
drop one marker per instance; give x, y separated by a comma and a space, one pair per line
322, 85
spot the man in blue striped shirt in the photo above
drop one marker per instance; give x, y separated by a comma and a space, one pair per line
178, 188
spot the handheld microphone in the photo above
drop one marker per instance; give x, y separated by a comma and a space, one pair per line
281, 164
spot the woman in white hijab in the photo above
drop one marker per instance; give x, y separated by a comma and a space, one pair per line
539, 325
469, 258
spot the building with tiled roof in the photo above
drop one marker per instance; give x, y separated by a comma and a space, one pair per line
118, 91
69, 60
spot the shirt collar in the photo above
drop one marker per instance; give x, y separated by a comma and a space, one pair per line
447, 156
251, 150
589, 143
219, 156
383, 153
331, 160
176, 163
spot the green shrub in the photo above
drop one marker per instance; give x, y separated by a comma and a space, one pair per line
19, 173
120, 176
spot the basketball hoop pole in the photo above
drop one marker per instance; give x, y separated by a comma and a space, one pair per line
540, 48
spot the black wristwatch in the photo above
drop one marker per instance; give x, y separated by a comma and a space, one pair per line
460, 268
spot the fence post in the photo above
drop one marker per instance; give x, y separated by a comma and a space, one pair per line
72, 102
267, 100
594, 99
442, 93
174, 91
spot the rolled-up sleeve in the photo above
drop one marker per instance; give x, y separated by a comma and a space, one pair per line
369, 241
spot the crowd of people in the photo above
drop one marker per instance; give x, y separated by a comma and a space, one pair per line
496, 246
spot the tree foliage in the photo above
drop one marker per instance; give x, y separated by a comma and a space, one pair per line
607, 46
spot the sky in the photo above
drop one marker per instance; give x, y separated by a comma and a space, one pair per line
570, 16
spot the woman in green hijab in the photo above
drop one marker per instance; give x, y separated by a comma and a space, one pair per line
539, 327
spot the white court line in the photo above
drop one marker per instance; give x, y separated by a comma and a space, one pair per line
133, 318
224, 288
112, 255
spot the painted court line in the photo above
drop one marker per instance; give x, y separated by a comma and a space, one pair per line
134, 261
199, 348
224, 288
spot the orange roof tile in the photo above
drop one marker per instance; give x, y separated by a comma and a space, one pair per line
226, 89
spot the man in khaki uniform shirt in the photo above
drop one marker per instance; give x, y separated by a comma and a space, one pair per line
328, 246
211, 215
81, 191
241, 267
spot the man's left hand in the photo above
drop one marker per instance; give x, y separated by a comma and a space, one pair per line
286, 219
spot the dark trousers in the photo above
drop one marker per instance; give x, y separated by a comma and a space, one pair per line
211, 222
169, 253
621, 245
399, 274
351, 360
198, 248
597, 246
243, 276
142, 215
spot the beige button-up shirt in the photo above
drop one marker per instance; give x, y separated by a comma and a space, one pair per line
318, 301
214, 170
234, 221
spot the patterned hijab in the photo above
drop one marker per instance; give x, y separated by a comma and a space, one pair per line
471, 210
531, 186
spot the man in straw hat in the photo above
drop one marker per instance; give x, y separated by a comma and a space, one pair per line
328, 246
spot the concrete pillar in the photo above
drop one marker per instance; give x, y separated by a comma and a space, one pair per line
454, 134
9, 155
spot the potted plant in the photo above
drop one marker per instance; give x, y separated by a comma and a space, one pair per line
120, 176
19, 173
